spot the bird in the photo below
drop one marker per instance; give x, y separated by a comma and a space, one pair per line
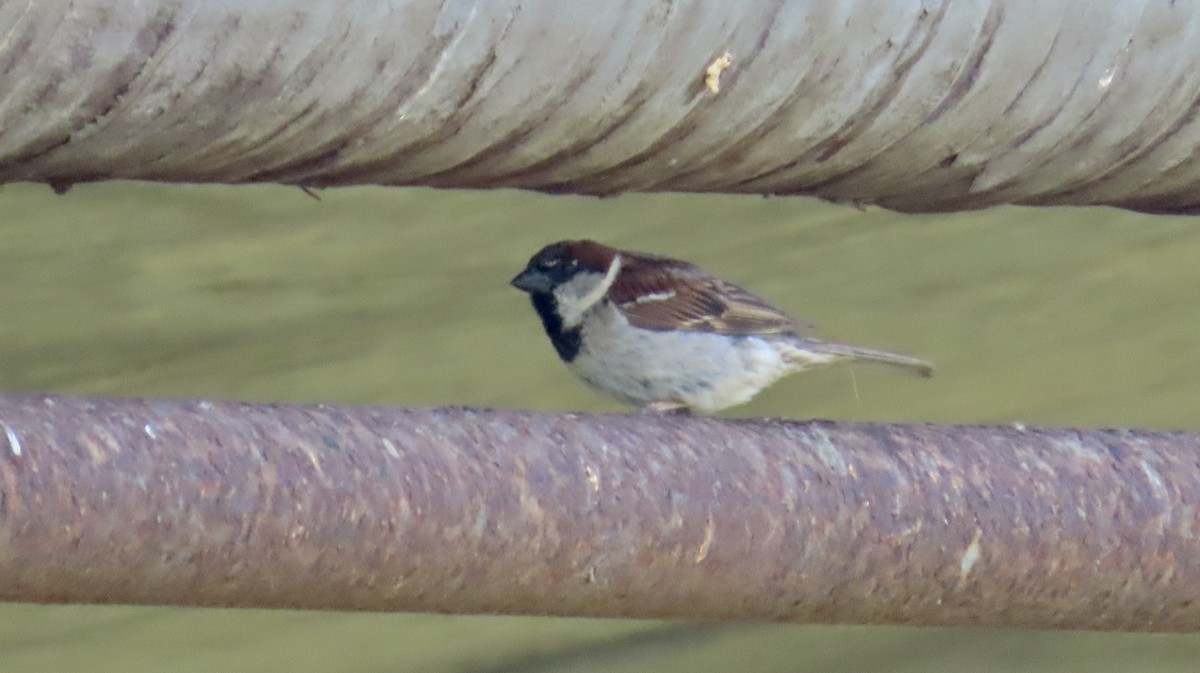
665, 336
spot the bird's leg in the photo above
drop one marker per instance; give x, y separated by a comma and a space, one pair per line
673, 407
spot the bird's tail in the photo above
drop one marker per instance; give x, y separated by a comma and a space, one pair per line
813, 353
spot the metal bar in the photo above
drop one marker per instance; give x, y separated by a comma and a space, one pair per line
473, 511
915, 106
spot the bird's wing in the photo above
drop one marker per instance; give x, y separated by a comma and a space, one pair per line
673, 295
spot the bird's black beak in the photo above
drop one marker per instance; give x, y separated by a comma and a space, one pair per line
533, 282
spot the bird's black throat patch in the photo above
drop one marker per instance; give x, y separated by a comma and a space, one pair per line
566, 341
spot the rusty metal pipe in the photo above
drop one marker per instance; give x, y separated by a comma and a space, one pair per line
474, 511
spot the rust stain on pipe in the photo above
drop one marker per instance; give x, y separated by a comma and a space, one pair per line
473, 511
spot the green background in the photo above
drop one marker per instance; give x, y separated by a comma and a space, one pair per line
1083, 317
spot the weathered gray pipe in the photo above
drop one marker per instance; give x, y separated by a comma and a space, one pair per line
461, 511
916, 106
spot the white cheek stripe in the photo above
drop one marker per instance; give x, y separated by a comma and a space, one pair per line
589, 300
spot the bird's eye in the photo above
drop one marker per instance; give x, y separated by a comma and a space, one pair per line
548, 264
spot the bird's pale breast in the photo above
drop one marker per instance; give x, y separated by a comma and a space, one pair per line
706, 371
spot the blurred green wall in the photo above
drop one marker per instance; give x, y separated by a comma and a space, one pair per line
400, 296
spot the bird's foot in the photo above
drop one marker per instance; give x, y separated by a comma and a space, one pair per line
663, 407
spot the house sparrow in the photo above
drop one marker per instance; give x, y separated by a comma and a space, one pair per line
664, 335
